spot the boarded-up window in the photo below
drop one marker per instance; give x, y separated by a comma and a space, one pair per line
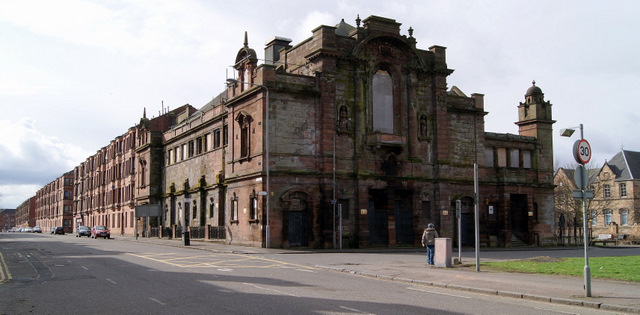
526, 159
382, 102
488, 157
502, 157
514, 158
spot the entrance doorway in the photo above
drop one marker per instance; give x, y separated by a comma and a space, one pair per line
468, 222
520, 217
298, 226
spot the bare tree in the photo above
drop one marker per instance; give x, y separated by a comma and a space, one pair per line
568, 210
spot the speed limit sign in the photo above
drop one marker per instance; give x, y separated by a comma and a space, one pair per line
582, 151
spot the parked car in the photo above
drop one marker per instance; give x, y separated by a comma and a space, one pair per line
100, 231
37, 229
28, 229
83, 231
57, 230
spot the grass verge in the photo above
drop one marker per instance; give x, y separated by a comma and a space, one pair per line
619, 268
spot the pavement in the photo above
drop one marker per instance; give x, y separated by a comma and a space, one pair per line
404, 265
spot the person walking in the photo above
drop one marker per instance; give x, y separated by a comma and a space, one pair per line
428, 239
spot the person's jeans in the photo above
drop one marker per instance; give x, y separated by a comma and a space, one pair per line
430, 252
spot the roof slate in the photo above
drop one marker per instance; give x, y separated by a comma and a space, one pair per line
626, 165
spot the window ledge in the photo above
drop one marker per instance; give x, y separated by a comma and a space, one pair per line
385, 140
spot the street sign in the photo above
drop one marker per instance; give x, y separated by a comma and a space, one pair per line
581, 177
577, 194
582, 151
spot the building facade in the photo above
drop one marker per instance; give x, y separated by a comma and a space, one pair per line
355, 130
7, 219
104, 188
26, 213
54, 204
615, 208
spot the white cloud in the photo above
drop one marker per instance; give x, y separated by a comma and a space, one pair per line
30, 157
135, 28
11, 196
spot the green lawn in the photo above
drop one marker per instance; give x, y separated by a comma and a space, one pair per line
620, 268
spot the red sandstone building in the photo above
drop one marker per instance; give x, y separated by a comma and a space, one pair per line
358, 119
54, 203
104, 189
351, 133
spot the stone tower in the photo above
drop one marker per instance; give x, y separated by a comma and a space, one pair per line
534, 120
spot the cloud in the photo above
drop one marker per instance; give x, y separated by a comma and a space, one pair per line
11, 196
134, 28
28, 157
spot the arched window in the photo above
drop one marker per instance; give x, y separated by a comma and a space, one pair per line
382, 102
211, 207
234, 207
244, 122
253, 207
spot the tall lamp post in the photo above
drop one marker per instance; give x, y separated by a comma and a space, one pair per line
266, 143
582, 154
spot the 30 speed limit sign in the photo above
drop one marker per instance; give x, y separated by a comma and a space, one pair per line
582, 151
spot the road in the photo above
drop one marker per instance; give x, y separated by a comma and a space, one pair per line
47, 274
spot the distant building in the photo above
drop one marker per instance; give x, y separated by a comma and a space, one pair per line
7, 219
54, 202
615, 208
109, 184
26, 213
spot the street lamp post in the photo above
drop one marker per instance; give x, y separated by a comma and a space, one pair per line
583, 195
266, 144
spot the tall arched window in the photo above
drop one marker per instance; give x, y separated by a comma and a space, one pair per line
382, 102
244, 121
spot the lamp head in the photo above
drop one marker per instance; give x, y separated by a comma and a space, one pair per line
567, 132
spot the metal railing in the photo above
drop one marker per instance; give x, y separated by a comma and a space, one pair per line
217, 232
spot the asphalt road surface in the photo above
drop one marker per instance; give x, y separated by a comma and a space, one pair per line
54, 274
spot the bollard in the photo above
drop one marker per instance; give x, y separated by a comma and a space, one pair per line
442, 256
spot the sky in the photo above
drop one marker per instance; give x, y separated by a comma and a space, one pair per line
75, 74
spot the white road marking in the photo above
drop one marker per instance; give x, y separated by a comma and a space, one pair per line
225, 269
306, 270
157, 301
272, 290
355, 310
83, 267
111, 281
434, 292
548, 310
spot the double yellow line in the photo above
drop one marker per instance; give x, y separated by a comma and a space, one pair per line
5, 275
